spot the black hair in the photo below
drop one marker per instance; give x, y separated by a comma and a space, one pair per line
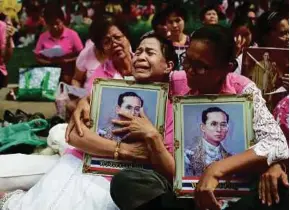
210, 110
222, 40
128, 94
205, 10
100, 27
167, 48
176, 9
52, 12
158, 19
268, 22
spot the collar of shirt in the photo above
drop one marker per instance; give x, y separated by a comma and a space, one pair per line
212, 153
64, 34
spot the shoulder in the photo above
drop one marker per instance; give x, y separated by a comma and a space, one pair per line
70, 32
44, 35
237, 82
178, 83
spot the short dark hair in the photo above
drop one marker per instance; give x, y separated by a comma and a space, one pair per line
221, 38
266, 23
100, 26
205, 10
52, 12
167, 48
210, 110
128, 94
177, 9
158, 19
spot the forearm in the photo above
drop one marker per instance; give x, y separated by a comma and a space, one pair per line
94, 145
42, 60
69, 60
8, 50
161, 159
76, 83
246, 162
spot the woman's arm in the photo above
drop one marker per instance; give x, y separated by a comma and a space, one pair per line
270, 140
161, 159
142, 129
93, 144
78, 78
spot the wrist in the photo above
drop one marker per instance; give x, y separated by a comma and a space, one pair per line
155, 142
215, 170
124, 151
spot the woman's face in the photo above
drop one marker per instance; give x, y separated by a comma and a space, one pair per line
280, 36
115, 44
149, 63
203, 70
211, 17
175, 24
56, 27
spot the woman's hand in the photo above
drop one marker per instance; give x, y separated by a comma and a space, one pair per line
136, 151
240, 44
81, 114
204, 192
138, 128
268, 185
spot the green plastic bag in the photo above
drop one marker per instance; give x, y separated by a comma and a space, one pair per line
38, 83
22, 133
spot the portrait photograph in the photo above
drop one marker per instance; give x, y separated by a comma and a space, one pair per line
128, 100
111, 97
211, 132
266, 66
209, 129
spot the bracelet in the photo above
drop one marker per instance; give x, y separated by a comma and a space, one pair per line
116, 153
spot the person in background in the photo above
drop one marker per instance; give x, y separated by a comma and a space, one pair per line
175, 20
6, 43
106, 55
272, 30
243, 31
159, 26
58, 36
209, 15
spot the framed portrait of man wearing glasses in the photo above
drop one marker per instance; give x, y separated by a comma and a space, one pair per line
208, 129
110, 98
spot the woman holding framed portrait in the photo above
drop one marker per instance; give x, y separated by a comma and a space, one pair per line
208, 71
70, 188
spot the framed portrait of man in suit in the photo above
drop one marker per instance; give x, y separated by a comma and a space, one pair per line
208, 129
109, 98
266, 67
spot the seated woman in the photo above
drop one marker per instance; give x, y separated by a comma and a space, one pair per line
94, 54
208, 70
58, 36
106, 55
65, 186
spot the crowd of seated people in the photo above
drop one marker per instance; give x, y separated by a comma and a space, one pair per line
204, 61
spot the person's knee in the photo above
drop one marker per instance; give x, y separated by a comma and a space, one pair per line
132, 187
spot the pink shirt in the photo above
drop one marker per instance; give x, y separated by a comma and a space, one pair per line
69, 41
105, 70
281, 114
2, 46
87, 62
